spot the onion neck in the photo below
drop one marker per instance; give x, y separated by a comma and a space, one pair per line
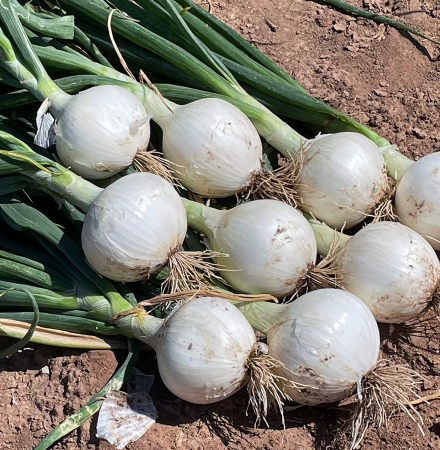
327, 239
50, 176
37, 83
397, 164
153, 102
146, 328
161, 108
275, 131
202, 218
261, 315
67, 185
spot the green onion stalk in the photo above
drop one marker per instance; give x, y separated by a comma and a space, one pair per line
50, 24
50, 176
56, 295
214, 175
22, 217
17, 328
207, 174
200, 35
50, 288
65, 322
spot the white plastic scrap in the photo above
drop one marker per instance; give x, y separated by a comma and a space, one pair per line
45, 135
124, 418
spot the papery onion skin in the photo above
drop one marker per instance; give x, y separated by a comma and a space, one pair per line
132, 226
100, 130
342, 178
214, 146
417, 199
329, 339
202, 350
391, 268
271, 247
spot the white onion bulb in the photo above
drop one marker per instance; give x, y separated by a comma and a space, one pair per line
417, 199
271, 246
202, 348
342, 178
330, 340
392, 269
100, 130
133, 226
214, 146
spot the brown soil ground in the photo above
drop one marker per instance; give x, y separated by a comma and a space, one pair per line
384, 78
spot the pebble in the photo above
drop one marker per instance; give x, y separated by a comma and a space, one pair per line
380, 92
44, 370
352, 48
400, 137
427, 385
339, 27
418, 133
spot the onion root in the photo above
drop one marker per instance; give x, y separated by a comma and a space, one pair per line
186, 270
383, 389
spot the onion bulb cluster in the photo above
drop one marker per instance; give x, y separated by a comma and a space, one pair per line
206, 351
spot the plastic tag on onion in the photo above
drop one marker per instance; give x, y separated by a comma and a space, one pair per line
124, 418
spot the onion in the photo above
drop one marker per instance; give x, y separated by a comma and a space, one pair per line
417, 198
100, 131
214, 145
133, 227
392, 269
201, 348
271, 246
328, 340
342, 178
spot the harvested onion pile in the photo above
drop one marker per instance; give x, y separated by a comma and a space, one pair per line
322, 338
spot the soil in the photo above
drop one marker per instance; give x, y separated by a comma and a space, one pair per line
384, 78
